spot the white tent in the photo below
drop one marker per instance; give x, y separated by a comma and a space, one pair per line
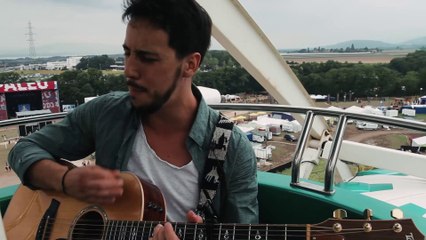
366, 110
419, 142
245, 129
371, 110
354, 109
231, 98
211, 95
293, 126
335, 108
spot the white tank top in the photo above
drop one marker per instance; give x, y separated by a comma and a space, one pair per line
179, 185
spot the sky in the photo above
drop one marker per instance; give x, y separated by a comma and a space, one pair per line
95, 26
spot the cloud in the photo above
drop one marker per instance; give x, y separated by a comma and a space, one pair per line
300, 23
59, 21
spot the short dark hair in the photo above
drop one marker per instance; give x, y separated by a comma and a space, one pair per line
187, 24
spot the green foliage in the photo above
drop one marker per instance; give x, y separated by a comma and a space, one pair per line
74, 86
220, 70
216, 59
9, 77
228, 80
415, 61
97, 62
401, 77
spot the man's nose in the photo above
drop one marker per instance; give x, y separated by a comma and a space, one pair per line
131, 67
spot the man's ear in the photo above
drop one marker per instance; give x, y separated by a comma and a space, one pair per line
191, 64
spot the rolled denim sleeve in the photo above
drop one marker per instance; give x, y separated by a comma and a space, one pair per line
23, 155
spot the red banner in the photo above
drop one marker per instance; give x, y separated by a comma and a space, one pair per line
28, 86
51, 100
3, 109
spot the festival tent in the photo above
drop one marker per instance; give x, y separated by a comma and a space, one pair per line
419, 142
371, 110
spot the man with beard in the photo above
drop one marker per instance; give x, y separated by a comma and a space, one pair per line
161, 129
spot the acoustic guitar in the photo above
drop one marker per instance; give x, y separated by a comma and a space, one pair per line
51, 215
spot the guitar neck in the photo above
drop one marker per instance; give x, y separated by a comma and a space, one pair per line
142, 230
335, 229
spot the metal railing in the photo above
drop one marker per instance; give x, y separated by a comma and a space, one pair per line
32, 119
309, 114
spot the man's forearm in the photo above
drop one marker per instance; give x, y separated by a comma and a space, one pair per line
46, 174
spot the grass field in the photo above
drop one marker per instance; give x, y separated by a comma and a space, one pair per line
43, 72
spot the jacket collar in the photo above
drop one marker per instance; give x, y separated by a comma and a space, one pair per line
204, 119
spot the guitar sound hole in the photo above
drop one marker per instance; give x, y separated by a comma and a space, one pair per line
90, 225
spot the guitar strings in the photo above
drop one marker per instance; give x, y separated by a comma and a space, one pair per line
121, 228
135, 235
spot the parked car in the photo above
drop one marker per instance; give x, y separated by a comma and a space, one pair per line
290, 137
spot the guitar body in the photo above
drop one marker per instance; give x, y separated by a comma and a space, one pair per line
140, 201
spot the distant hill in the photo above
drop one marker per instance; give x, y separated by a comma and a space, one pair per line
410, 44
416, 43
84, 49
361, 44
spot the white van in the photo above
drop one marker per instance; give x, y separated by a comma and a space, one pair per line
367, 125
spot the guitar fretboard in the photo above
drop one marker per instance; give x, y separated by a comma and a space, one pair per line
191, 231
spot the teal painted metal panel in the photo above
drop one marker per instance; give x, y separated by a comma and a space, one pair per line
365, 187
281, 203
6, 194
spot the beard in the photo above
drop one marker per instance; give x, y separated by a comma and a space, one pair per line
158, 100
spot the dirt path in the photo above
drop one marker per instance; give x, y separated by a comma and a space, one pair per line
363, 135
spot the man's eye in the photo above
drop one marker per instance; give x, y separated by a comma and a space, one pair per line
145, 58
149, 59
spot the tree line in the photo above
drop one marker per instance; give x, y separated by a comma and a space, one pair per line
404, 76
350, 49
401, 77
